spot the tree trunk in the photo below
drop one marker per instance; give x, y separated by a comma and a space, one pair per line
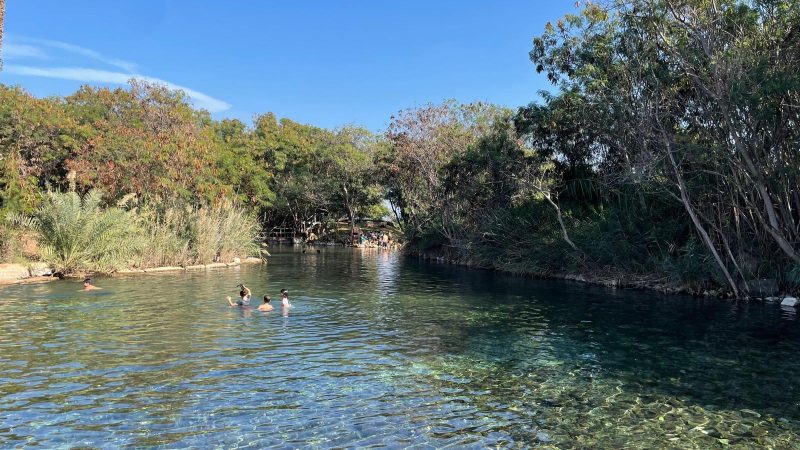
560, 221
352, 225
693, 215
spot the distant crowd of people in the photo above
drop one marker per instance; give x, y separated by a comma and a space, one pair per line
375, 239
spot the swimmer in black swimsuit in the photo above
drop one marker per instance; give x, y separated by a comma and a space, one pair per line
244, 297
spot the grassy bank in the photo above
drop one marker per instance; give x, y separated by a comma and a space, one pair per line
78, 234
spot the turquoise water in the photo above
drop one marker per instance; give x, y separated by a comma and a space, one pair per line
384, 351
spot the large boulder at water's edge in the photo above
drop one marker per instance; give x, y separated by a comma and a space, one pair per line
40, 270
789, 301
13, 272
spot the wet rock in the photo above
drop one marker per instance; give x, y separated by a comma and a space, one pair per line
13, 272
789, 301
40, 270
163, 269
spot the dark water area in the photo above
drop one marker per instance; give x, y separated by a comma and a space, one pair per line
380, 350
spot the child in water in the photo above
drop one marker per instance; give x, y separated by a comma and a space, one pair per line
244, 295
285, 298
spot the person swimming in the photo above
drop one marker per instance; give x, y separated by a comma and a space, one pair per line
285, 298
88, 286
265, 306
244, 297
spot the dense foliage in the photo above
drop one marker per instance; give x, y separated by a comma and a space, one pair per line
669, 149
77, 233
198, 182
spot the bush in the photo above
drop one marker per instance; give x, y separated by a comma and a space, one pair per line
76, 234
183, 235
692, 265
166, 237
11, 244
222, 232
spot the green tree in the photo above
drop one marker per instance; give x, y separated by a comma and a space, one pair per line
37, 136
422, 142
688, 97
353, 169
243, 165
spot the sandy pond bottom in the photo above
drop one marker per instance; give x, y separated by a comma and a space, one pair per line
379, 350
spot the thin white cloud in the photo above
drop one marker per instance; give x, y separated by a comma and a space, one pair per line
87, 75
22, 51
31, 49
78, 50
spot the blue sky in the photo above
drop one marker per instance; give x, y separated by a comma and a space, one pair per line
325, 63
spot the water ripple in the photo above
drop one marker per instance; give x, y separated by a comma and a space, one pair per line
387, 352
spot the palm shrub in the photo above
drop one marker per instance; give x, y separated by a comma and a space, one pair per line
77, 234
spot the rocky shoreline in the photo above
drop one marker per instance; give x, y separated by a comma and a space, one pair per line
11, 273
39, 272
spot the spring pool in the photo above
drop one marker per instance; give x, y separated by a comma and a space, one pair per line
380, 350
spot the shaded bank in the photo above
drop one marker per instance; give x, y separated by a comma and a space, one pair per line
616, 280
610, 278
666, 150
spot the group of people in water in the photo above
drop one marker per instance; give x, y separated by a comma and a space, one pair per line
244, 299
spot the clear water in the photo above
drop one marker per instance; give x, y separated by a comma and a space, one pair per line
385, 351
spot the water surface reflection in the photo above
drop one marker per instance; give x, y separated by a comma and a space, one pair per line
382, 350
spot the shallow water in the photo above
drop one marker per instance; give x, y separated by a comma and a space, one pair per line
380, 350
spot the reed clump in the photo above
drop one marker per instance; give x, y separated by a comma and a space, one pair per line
79, 234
